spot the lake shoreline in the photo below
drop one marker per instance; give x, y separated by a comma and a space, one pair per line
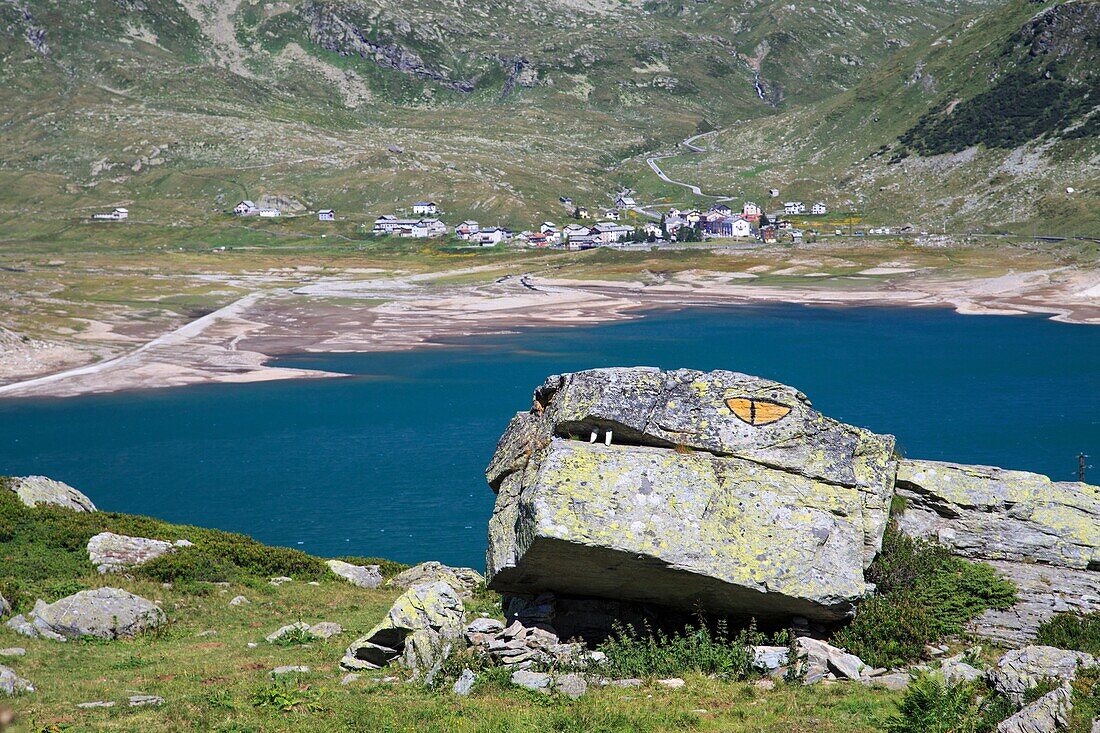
238, 342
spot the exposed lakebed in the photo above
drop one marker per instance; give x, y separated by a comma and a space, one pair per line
389, 461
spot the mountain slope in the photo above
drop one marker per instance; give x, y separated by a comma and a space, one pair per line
497, 108
986, 127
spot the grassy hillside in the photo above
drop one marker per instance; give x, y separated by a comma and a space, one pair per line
201, 664
984, 129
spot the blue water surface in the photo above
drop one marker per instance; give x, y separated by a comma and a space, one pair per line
389, 462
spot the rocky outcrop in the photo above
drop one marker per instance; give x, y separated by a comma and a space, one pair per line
1022, 669
418, 632
332, 32
112, 553
1043, 535
687, 489
38, 490
13, 684
464, 580
5, 607
1048, 714
107, 613
362, 576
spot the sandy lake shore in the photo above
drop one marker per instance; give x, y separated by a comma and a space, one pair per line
351, 312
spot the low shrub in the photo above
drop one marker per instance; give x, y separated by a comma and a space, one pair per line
388, 568
1070, 631
924, 593
932, 706
648, 653
1086, 700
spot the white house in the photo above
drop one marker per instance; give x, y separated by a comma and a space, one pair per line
625, 202
270, 213
245, 208
652, 229
611, 214
390, 224
326, 215
609, 232
720, 210
730, 226
491, 236
548, 227
794, 207
751, 209
467, 229
118, 214
819, 209
583, 241
428, 228
575, 230
773, 192
425, 208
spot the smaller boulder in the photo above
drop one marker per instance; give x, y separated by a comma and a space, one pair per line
538, 681
36, 490
822, 658
1048, 714
239, 601
955, 670
13, 651
95, 704
298, 629
419, 631
13, 684
280, 580
362, 576
289, 669
1022, 669
140, 701
769, 658
672, 683
112, 553
108, 613
326, 630
465, 682
571, 685
5, 607
463, 580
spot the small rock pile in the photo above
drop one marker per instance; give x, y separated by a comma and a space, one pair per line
523, 647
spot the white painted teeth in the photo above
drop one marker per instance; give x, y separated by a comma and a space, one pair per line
607, 438
592, 438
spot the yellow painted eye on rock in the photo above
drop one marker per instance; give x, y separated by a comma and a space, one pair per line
757, 412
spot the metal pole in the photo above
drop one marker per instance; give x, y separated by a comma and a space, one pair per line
1081, 467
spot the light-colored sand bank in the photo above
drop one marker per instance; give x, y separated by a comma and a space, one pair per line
345, 313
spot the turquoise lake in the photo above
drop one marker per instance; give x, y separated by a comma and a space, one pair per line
389, 462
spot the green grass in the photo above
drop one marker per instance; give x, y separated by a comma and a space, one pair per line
215, 682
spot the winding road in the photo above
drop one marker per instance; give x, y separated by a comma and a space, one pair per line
693, 148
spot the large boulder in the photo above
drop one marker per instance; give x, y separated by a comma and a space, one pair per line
716, 490
463, 580
418, 632
1041, 534
108, 613
112, 553
36, 490
1022, 669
